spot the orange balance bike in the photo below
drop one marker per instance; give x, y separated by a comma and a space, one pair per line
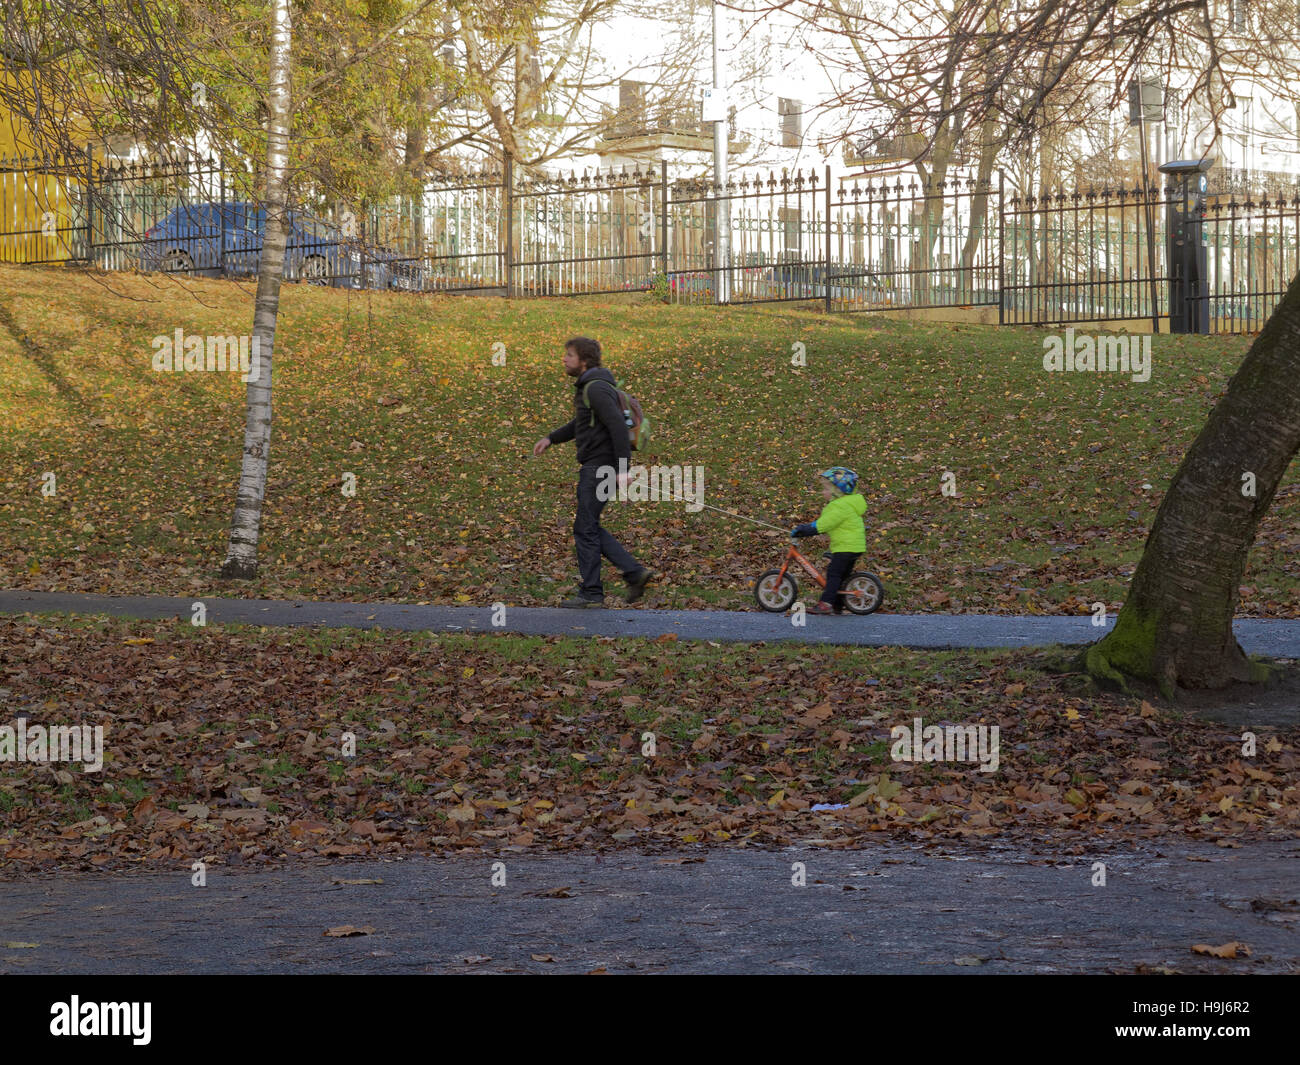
776, 590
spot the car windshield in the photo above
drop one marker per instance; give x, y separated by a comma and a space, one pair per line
315, 229
193, 214
242, 215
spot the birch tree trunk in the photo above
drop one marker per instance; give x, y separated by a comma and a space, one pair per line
245, 526
1175, 627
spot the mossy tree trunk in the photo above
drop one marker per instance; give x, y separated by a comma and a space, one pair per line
1175, 627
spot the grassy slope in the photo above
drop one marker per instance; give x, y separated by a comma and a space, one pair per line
1051, 513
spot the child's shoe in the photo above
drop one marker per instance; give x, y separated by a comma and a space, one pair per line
821, 608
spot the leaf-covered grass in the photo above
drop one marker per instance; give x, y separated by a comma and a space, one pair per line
226, 744
1050, 516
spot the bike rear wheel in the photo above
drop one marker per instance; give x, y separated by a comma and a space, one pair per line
863, 593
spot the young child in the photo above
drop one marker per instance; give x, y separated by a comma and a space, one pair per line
842, 519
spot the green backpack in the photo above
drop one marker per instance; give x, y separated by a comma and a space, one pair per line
638, 425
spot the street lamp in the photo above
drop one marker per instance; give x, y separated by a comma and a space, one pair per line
1146, 103
1189, 309
722, 207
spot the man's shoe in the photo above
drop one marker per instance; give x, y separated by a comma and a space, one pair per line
579, 603
637, 582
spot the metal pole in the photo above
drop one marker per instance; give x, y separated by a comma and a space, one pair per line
722, 208
826, 277
90, 204
221, 222
1002, 228
1146, 182
366, 229
508, 245
663, 215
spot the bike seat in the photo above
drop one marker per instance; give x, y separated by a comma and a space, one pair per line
827, 556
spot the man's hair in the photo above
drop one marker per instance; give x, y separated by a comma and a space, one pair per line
586, 349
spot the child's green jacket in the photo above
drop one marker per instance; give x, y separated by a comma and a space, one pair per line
842, 519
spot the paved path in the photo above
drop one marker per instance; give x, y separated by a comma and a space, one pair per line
1276, 638
887, 908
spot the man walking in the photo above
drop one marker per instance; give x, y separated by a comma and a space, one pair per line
600, 433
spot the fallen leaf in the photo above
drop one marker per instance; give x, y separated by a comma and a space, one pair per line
1228, 950
887, 788
344, 930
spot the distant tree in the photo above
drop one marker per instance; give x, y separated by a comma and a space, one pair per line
160, 73
1013, 62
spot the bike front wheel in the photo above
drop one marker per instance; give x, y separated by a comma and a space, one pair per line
775, 591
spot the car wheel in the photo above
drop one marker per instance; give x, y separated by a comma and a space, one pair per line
177, 262
315, 270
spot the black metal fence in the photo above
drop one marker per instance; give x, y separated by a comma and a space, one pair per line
587, 234
912, 246
1097, 255
44, 213
1089, 255
1253, 253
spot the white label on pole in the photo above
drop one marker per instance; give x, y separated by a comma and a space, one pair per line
713, 105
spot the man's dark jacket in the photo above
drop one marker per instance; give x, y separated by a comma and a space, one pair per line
607, 440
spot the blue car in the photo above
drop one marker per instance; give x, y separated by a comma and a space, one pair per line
216, 239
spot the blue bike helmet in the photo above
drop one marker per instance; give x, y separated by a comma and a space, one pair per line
841, 477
